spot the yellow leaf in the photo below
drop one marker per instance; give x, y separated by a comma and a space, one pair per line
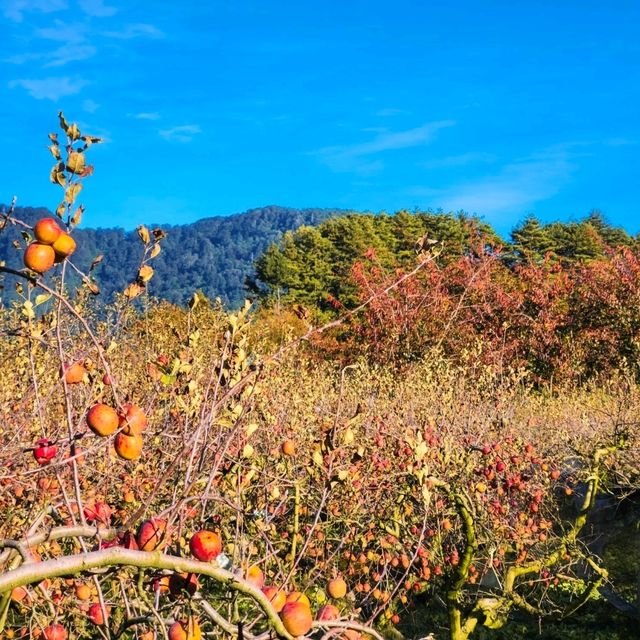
91, 285
420, 450
237, 409
146, 273
77, 216
72, 192
143, 232
155, 251
27, 310
57, 175
251, 429
247, 451
73, 132
96, 261
89, 140
75, 162
133, 290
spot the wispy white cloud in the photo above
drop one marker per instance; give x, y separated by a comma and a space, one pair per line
57, 58
15, 9
461, 160
139, 30
62, 31
517, 186
357, 157
72, 53
21, 58
50, 88
182, 133
145, 115
97, 8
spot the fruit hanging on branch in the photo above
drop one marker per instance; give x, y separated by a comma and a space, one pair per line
337, 588
151, 534
133, 421
55, 632
64, 246
206, 545
185, 630
44, 451
47, 230
75, 373
102, 419
39, 257
297, 618
128, 447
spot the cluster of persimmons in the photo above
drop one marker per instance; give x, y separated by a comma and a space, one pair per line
52, 245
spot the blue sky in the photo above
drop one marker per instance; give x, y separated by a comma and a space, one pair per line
502, 108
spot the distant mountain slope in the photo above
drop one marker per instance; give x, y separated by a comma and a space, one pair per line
214, 255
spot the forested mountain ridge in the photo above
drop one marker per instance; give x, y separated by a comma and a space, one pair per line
301, 255
214, 255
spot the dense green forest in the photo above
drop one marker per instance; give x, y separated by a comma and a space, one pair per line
312, 266
305, 255
214, 255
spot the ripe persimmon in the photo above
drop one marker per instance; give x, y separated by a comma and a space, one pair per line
288, 448
47, 230
185, 630
74, 373
276, 596
328, 612
39, 257
296, 618
133, 420
255, 576
337, 588
298, 596
102, 419
63, 246
151, 534
205, 545
54, 632
128, 447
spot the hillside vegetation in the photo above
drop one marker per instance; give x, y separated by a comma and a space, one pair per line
214, 255
559, 301
232, 257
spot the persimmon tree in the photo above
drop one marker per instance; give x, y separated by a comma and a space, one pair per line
80, 482
556, 320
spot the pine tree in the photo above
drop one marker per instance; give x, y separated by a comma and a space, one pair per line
532, 241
